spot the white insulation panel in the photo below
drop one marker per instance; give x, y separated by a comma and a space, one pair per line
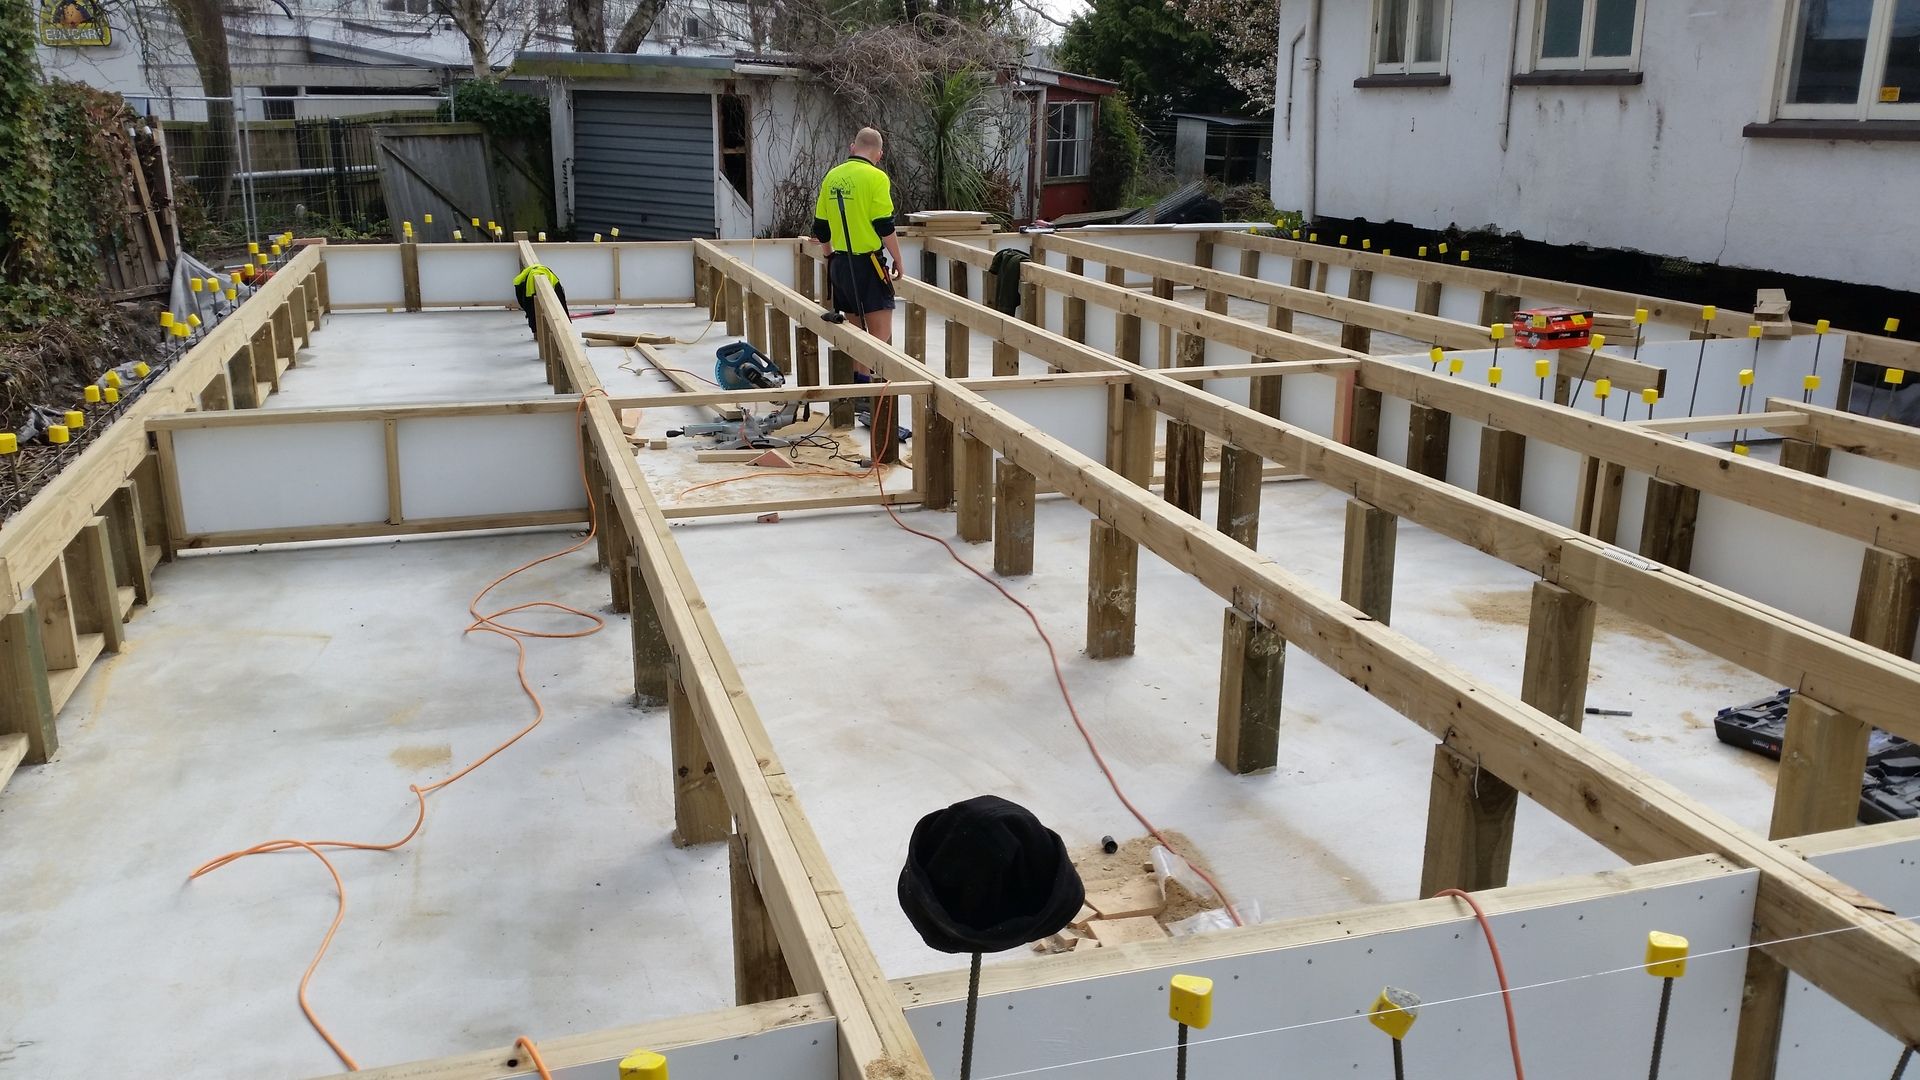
1819, 1036
362, 275
1076, 416
1799, 568
809, 1051
1300, 1011
586, 270
468, 274
467, 466
281, 476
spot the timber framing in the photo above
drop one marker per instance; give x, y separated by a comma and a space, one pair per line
119, 508
1874, 968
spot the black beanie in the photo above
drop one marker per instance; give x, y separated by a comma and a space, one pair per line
984, 875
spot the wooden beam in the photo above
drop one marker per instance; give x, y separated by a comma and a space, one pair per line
1186, 444
1012, 520
1886, 608
1366, 565
1470, 816
1503, 462
973, 488
26, 703
1357, 314
1241, 474
1681, 425
1882, 440
1803, 456
1821, 759
759, 971
129, 546
1863, 515
1471, 811
1429, 437
410, 275
1253, 663
1666, 526
734, 307
1728, 322
819, 935
1790, 650
96, 592
653, 662
1874, 967
1356, 336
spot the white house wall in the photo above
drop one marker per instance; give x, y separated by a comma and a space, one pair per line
1659, 167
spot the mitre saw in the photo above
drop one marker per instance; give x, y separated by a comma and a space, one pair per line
742, 367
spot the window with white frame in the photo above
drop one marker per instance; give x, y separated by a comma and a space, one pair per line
1587, 35
1069, 140
1409, 37
1852, 60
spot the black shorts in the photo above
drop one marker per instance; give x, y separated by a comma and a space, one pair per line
858, 285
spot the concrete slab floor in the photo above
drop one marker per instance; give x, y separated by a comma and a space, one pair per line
872, 647
297, 693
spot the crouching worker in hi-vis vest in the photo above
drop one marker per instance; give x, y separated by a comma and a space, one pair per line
524, 289
854, 218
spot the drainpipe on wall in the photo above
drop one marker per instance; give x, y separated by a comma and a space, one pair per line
1310, 205
1513, 65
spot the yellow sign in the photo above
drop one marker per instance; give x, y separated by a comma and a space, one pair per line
74, 23
1889, 94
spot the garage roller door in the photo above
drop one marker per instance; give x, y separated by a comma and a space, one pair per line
643, 163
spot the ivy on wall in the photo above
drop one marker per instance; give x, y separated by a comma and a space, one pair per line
61, 182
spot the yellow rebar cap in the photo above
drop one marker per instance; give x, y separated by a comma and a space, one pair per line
1190, 1000
1666, 955
644, 1065
1394, 1012
1602, 388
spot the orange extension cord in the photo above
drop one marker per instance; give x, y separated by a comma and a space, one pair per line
486, 623
1066, 695
1500, 972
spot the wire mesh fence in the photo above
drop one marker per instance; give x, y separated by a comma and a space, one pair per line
267, 163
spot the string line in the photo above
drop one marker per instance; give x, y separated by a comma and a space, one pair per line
1424, 1006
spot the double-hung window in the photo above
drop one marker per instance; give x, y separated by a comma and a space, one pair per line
1587, 35
1069, 140
1409, 37
1852, 60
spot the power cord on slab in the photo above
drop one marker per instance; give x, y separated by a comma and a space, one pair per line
483, 623
1066, 695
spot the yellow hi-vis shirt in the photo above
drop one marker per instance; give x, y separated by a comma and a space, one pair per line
868, 198
525, 278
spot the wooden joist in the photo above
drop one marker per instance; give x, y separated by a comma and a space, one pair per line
1874, 968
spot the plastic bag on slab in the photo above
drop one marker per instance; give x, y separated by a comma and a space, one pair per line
1217, 919
1180, 885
